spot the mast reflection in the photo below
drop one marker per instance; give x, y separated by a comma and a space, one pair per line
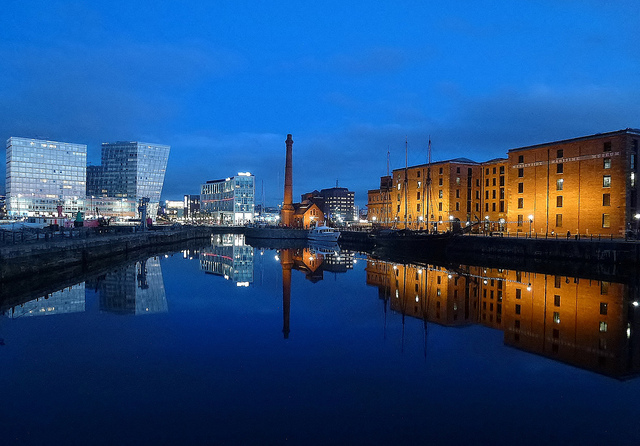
590, 324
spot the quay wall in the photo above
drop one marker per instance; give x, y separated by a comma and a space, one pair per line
30, 259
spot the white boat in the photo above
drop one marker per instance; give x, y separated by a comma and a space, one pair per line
324, 234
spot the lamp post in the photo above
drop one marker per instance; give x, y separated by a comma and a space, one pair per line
530, 221
486, 223
450, 223
637, 217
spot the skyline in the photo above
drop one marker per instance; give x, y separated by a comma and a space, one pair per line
223, 85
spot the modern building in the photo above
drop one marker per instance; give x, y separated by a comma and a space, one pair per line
339, 204
45, 175
130, 170
585, 185
229, 201
191, 205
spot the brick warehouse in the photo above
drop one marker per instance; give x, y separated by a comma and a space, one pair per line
584, 185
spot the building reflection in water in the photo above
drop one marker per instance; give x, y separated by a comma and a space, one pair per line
229, 257
134, 289
586, 323
312, 261
68, 300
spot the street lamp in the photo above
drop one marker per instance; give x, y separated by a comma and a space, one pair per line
530, 221
637, 217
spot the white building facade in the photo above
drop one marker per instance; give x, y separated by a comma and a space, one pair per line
43, 175
230, 201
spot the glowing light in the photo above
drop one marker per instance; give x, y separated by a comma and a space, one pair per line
529, 287
530, 217
635, 303
277, 258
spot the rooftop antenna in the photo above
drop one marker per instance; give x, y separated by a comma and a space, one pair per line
336, 182
388, 156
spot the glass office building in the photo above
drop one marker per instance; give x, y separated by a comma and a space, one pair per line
229, 201
42, 175
130, 170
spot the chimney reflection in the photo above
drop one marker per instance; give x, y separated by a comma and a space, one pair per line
312, 261
586, 323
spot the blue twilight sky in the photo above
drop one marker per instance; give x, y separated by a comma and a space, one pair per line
223, 82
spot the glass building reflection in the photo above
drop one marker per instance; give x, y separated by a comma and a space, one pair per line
590, 324
68, 300
134, 289
229, 257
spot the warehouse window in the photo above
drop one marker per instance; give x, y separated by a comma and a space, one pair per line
606, 181
559, 168
558, 220
559, 201
606, 199
606, 221
559, 183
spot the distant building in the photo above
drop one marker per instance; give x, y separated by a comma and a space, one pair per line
42, 175
338, 204
229, 257
230, 200
191, 205
379, 202
174, 209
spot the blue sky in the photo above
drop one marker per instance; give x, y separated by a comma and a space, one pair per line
223, 82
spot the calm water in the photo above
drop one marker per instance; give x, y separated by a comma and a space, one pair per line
237, 345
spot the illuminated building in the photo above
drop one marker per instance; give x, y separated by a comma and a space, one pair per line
379, 203
229, 257
494, 204
307, 215
584, 185
42, 175
67, 300
454, 195
339, 204
130, 171
231, 200
191, 205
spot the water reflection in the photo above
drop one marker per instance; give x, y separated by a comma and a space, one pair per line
587, 323
134, 289
229, 257
68, 300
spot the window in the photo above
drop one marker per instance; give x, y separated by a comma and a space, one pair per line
494, 170
558, 220
518, 293
440, 207
557, 281
418, 196
559, 168
398, 208
520, 172
440, 193
603, 327
502, 206
603, 308
606, 163
633, 161
418, 207
607, 146
560, 153
493, 207
486, 194
502, 180
457, 180
441, 171
520, 219
606, 181
559, 201
559, 183
520, 159
556, 317
493, 194
457, 193
486, 182
520, 188
520, 203
457, 205
419, 184
486, 207
606, 221
606, 199
501, 170
418, 173
556, 300
493, 182
457, 170
604, 287
439, 181
502, 193
477, 195
518, 309
486, 172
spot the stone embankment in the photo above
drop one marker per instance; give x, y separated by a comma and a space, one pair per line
29, 259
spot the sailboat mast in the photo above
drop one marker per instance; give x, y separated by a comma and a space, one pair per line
428, 181
386, 199
406, 180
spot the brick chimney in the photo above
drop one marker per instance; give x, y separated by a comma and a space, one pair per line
286, 214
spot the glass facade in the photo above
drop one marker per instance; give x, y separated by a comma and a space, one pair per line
130, 170
42, 175
230, 201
